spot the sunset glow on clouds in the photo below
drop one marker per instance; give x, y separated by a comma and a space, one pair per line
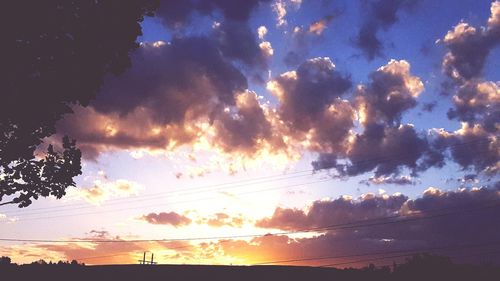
239, 126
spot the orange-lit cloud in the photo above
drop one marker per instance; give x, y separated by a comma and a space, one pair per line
319, 26
104, 189
164, 218
223, 219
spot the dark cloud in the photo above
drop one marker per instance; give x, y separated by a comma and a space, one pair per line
477, 102
233, 10
171, 218
99, 233
469, 211
238, 42
469, 47
244, 126
162, 99
337, 211
170, 79
472, 147
386, 151
232, 34
178, 12
429, 107
392, 90
326, 161
468, 52
175, 12
307, 92
378, 14
385, 145
311, 107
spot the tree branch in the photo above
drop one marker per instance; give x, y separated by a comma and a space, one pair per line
10, 202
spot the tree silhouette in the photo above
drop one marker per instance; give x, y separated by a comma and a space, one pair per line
55, 54
5, 260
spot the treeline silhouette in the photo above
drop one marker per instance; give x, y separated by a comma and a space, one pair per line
418, 267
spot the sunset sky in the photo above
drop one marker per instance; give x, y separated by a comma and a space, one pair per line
239, 119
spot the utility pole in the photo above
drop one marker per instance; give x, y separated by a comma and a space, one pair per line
143, 261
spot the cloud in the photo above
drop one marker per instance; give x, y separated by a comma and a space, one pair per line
191, 95
231, 34
102, 234
170, 97
384, 145
175, 13
164, 218
438, 219
90, 250
104, 189
7, 219
477, 102
429, 106
471, 147
319, 26
246, 127
386, 150
262, 31
237, 41
392, 90
400, 180
469, 210
233, 10
306, 93
341, 210
180, 76
311, 110
266, 48
281, 7
379, 14
468, 47
223, 219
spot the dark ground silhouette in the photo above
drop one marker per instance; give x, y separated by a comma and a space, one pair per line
419, 267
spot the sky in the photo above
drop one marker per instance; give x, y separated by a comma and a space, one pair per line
240, 124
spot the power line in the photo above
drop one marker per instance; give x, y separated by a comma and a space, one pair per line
190, 191
248, 181
391, 257
156, 197
123, 254
378, 253
330, 227
171, 203
408, 252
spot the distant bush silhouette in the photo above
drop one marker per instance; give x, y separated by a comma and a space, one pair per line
55, 54
5, 261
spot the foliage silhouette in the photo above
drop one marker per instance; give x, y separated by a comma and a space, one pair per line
5, 261
55, 54
419, 267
